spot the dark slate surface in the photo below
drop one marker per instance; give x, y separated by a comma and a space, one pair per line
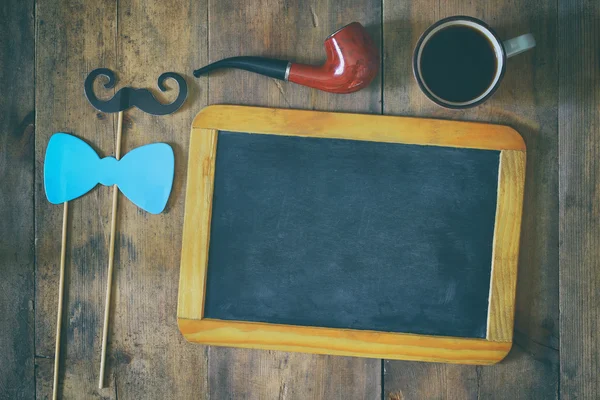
350, 234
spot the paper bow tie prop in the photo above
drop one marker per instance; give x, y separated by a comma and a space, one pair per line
144, 175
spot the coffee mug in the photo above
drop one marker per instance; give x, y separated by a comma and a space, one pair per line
459, 61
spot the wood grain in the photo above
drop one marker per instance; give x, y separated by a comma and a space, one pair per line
345, 342
527, 101
507, 232
111, 257
386, 129
61, 292
146, 353
74, 37
16, 200
70, 43
136, 40
579, 171
294, 31
196, 226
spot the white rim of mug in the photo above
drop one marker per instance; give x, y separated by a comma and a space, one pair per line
498, 51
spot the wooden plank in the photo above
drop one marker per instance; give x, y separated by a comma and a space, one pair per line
293, 31
579, 123
507, 232
431, 132
72, 39
16, 201
198, 207
527, 101
139, 41
154, 37
346, 342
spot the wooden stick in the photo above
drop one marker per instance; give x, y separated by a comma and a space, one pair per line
61, 290
111, 257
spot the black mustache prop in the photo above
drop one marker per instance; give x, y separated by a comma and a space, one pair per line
127, 97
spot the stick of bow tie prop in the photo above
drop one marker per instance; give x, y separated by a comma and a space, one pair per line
61, 280
61, 285
122, 100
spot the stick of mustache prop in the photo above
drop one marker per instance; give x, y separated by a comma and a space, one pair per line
122, 100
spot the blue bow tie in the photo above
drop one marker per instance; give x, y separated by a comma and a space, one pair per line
144, 175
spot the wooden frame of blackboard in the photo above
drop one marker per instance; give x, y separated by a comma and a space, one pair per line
348, 342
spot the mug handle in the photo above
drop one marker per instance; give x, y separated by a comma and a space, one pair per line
517, 45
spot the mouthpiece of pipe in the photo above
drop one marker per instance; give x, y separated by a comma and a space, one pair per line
261, 65
352, 63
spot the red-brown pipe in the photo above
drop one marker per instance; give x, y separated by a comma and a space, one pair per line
352, 63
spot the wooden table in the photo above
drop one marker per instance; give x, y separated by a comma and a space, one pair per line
550, 95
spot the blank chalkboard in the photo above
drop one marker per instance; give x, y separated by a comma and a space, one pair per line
352, 234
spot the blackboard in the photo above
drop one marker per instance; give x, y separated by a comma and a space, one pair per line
352, 234
348, 234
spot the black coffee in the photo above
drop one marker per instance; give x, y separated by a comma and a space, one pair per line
458, 64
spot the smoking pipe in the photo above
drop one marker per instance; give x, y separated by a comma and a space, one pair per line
352, 63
